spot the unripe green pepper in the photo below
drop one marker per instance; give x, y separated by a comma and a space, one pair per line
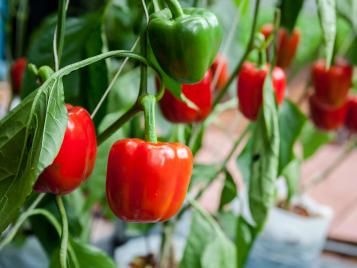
185, 42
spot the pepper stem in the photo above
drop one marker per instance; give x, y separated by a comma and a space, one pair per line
175, 8
148, 103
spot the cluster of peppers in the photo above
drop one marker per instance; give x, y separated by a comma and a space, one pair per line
147, 180
330, 105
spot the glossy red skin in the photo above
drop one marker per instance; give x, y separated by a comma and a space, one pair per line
332, 86
250, 88
287, 44
351, 117
223, 74
147, 182
201, 94
326, 117
17, 74
76, 158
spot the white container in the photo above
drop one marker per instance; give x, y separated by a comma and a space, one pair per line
290, 240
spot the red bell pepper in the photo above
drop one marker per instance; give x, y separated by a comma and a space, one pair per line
147, 182
220, 62
17, 74
351, 118
76, 158
287, 44
326, 117
201, 94
332, 85
250, 88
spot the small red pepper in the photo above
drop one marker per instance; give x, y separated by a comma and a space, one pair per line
287, 44
17, 74
147, 182
351, 117
76, 158
326, 117
220, 62
201, 94
250, 88
332, 85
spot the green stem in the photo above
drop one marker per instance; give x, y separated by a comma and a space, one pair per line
44, 73
262, 58
59, 33
175, 8
157, 6
118, 123
21, 18
10, 236
148, 103
219, 171
143, 69
166, 244
245, 55
277, 17
64, 233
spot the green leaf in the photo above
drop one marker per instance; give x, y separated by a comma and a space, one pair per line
87, 256
91, 257
245, 237
312, 139
292, 174
207, 246
30, 138
203, 173
327, 16
229, 191
244, 160
83, 38
243, 6
290, 10
228, 222
263, 173
347, 10
291, 122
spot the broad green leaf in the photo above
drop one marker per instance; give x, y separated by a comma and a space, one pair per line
83, 38
291, 122
291, 174
228, 222
327, 16
290, 10
347, 9
91, 257
245, 237
220, 252
229, 191
207, 246
263, 173
244, 160
203, 173
86, 256
312, 139
30, 138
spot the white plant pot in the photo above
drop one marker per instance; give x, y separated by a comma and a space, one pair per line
290, 240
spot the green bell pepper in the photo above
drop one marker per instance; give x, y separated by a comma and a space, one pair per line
184, 42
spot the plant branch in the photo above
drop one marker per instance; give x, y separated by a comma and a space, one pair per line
244, 57
219, 171
10, 236
324, 174
59, 32
115, 78
64, 233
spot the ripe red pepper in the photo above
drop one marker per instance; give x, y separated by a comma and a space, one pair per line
17, 74
76, 158
201, 94
250, 88
287, 44
332, 85
220, 62
147, 182
326, 117
351, 117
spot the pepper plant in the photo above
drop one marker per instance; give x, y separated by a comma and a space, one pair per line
112, 151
